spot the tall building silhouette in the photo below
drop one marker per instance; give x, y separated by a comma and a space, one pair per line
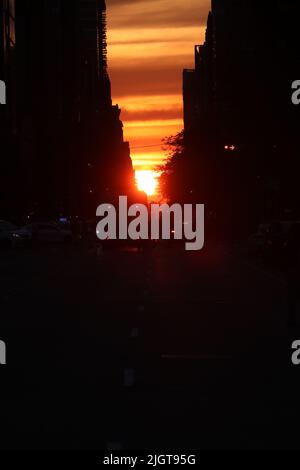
7, 61
8, 123
71, 152
240, 124
102, 52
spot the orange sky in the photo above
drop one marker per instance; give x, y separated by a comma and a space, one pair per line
149, 44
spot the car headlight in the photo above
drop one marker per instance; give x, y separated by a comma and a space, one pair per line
16, 235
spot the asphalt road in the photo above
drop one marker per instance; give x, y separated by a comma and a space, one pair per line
164, 350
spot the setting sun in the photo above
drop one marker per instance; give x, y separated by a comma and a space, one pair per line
146, 181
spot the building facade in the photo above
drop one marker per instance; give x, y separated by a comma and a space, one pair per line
68, 133
8, 123
239, 119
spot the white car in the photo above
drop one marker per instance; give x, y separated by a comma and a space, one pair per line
49, 232
11, 235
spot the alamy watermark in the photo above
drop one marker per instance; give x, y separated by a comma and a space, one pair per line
2, 92
296, 92
2, 353
296, 354
140, 222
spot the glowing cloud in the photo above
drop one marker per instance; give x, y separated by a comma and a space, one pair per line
150, 42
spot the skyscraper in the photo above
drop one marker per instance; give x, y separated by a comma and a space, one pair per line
8, 123
69, 135
107, 160
7, 58
238, 110
102, 52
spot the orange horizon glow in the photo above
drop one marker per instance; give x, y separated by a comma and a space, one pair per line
150, 42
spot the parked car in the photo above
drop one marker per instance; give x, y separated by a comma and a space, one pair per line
11, 235
50, 232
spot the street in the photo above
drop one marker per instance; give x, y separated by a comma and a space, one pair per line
163, 349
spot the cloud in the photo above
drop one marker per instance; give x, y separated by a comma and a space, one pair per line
150, 42
161, 13
152, 79
152, 115
121, 3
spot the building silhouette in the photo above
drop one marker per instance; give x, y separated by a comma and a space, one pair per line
240, 124
8, 123
69, 137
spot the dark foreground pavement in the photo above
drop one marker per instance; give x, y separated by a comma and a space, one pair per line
159, 350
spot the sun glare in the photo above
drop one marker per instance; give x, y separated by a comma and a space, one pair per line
146, 181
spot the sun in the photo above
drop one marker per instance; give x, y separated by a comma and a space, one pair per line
146, 181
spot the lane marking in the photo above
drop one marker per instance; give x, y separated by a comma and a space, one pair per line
129, 377
114, 446
134, 333
99, 251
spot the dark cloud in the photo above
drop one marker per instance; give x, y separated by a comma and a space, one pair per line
131, 42
112, 3
150, 42
152, 79
157, 114
159, 13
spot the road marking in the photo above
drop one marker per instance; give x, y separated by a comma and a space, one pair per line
114, 446
134, 333
99, 250
129, 377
